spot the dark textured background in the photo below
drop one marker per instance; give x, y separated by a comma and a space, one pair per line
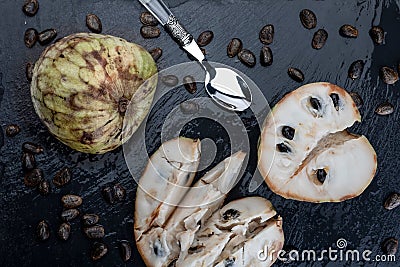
362, 221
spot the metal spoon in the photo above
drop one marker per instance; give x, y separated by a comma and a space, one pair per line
223, 85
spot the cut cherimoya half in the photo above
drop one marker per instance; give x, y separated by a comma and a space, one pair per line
306, 152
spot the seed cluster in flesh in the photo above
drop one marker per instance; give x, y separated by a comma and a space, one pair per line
305, 150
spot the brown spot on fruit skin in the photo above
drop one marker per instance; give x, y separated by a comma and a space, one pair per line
87, 138
102, 61
123, 105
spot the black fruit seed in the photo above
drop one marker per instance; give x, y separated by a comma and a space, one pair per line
321, 175
247, 58
288, 132
93, 23
335, 100
266, 34
308, 19
356, 69
234, 47
319, 39
296, 74
283, 148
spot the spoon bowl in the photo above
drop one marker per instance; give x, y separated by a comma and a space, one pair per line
228, 89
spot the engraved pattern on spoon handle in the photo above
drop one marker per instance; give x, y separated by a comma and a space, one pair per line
178, 32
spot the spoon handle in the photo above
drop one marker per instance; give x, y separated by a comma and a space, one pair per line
171, 24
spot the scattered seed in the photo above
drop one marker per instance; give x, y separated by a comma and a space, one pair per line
234, 47
388, 75
43, 231
46, 36
30, 7
319, 39
156, 53
356, 69
392, 201
98, 251
33, 177
348, 31
69, 214
29, 71
32, 148
357, 99
90, 219
296, 74
385, 108
230, 214
308, 19
93, 23
125, 250
28, 161
205, 38
114, 193
119, 193
30, 37
94, 232
44, 188
266, 34
377, 35
146, 18
150, 32
288, 132
64, 231
108, 194
189, 107
190, 84
247, 58
170, 80
266, 57
71, 201
12, 130
390, 245
321, 175
62, 177
283, 148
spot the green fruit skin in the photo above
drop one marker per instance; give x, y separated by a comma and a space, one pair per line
78, 84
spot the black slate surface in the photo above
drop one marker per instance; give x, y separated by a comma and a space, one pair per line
362, 221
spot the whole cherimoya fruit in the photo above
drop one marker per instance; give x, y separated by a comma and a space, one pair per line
83, 84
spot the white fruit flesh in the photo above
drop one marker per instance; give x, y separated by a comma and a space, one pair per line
158, 243
320, 142
165, 181
236, 233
